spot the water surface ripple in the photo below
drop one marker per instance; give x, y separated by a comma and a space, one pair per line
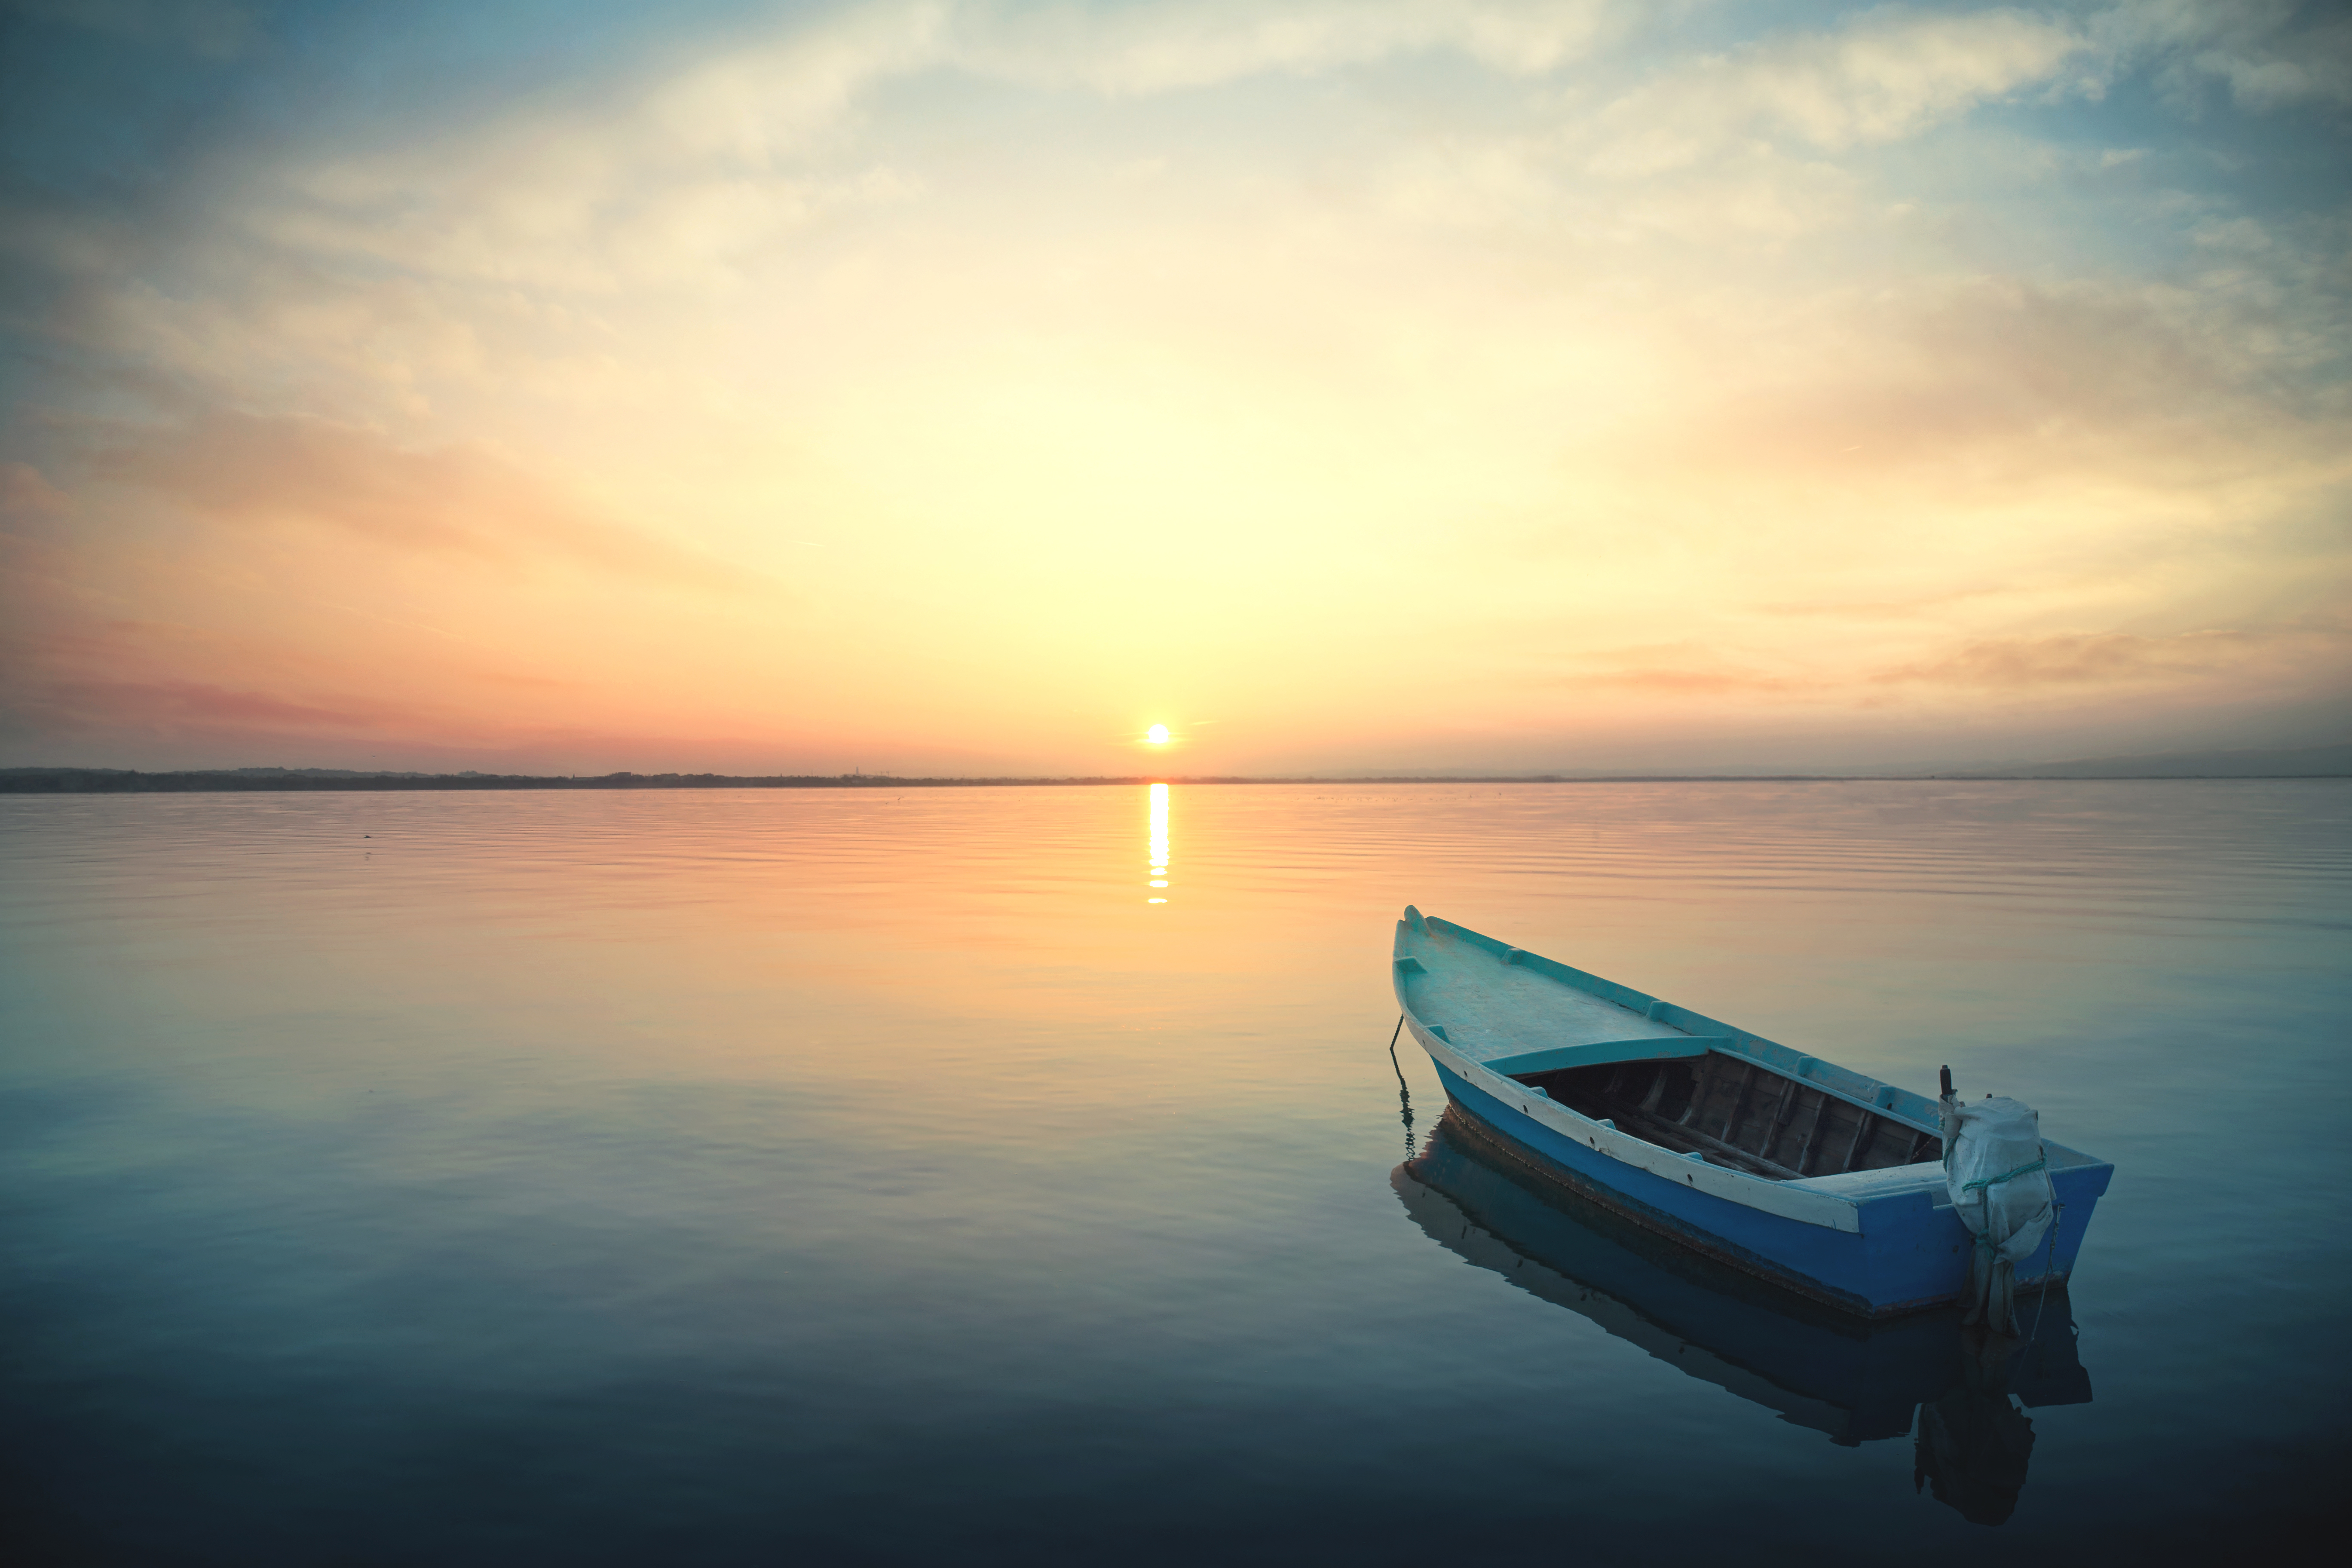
848, 1177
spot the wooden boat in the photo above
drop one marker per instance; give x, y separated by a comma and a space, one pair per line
1819, 1179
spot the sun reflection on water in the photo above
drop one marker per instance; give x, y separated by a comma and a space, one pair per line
1158, 839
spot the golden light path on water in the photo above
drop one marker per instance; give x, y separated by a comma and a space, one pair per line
1158, 840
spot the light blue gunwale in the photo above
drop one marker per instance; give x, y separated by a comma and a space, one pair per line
1916, 1110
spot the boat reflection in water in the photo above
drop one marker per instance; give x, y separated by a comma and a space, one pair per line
1955, 1392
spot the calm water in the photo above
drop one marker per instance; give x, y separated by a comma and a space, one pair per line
832, 1177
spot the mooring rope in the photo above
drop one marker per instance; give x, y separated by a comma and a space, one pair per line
1996, 1181
2049, 1267
1404, 1093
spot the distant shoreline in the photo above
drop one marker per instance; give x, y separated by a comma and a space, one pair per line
107, 781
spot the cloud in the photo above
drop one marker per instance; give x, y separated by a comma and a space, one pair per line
671, 179
173, 707
1171, 46
2270, 55
2094, 666
2116, 659
2017, 388
454, 498
211, 29
2265, 79
1886, 75
46, 709
1671, 682
27, 495
96, 701
1672, 670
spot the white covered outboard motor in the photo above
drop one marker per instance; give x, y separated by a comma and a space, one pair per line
1999, 1176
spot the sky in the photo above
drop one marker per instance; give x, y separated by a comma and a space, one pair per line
1375, 386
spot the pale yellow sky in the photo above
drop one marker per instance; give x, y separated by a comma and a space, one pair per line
953, 387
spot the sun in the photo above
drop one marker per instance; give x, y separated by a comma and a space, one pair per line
1157, 735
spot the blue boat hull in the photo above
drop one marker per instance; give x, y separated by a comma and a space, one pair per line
1910, 1252
1857, 1380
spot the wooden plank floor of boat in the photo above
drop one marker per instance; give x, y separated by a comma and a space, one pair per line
1740, 1114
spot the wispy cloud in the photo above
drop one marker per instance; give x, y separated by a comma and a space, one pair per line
215, 30
1165, 47
458, 498
1883, 76
1685, 669
2117, 660
27, 495
176, 706
2266, 55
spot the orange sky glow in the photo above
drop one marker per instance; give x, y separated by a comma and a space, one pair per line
943, 388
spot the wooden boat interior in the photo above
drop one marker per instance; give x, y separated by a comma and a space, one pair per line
1736, 1111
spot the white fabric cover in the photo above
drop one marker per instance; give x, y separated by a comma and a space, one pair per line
2000, 1181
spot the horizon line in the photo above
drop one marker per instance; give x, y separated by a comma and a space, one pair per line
69, 780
